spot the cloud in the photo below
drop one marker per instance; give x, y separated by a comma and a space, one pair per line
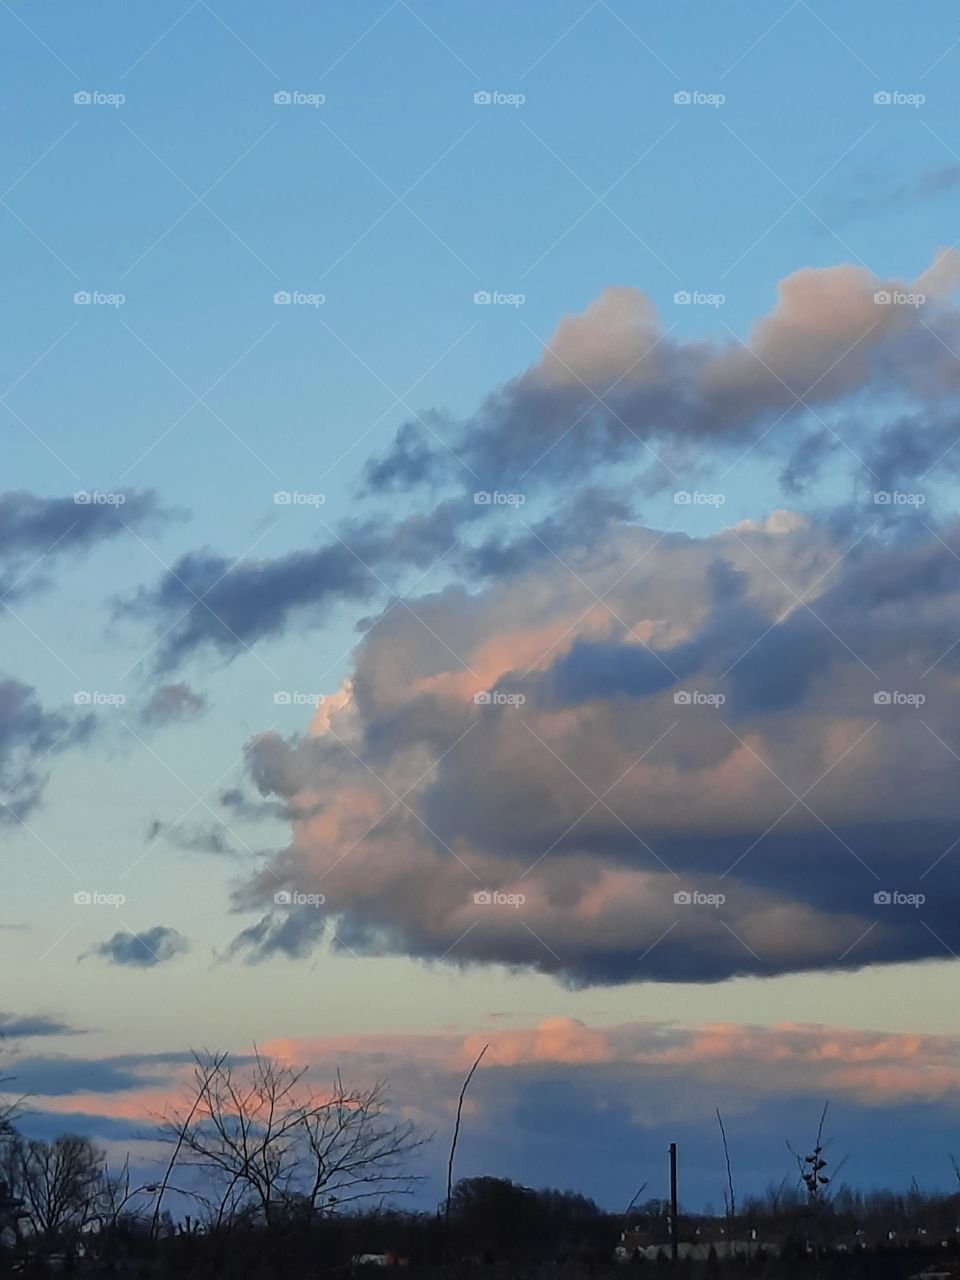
586, 1106
212, 837
26, 1026
32, 527
30, 735
734, 715
172, 702
230, 606
612, 383
613, 386
142, 950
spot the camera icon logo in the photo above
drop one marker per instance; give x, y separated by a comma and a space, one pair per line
483, 898
483, 98
83, 98
282, 698
283, 98
283, 498
882, 498
82, 298
682, 698
82, 698
282, 298
882, 698
882, 298
283, 898
882, 898
683, 98
482, 498
883, 98
83, 898
681, 298
682, 898
483, 698
682, 498
482, 298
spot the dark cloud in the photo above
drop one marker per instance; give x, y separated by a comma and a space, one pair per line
48, 1076
142, 950
25, 1026
32, 527
229, 605
29, 736
712, 727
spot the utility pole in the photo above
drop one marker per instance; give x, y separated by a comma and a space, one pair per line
674, 1225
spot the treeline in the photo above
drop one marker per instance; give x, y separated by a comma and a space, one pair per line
258, 1175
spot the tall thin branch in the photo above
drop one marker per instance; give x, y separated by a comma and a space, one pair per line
456, 1132
732, 1199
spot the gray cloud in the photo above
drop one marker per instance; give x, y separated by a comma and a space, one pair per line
41, 529
588, 788
24, 1026
173, 702
612, 386
142, 950
30, 735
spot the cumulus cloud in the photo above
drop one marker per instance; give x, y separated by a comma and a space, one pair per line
737, 715
613, 385
142, 950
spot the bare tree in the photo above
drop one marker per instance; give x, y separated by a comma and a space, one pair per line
61, 1182
269, 1146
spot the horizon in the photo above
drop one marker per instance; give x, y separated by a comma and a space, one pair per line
479, 565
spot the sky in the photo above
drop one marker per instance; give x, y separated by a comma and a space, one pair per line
479, 564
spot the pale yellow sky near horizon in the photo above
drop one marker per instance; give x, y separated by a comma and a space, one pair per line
152, 1011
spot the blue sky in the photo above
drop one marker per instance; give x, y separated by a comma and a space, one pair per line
184, 197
